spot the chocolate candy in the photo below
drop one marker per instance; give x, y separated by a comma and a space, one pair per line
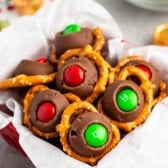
46, 109
160, 35
78, 75
73, 37
90, 134
39, 67
151, 72
123, 100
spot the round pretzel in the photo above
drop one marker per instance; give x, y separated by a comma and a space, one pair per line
101, 65
124, 61
24, 80
68, 115
147, 89
26, 102
28, 98
162, 93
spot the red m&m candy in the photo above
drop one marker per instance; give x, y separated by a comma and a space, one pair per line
46, 111
41, 60
73, 75
146, 70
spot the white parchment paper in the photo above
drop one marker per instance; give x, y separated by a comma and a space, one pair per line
144, 147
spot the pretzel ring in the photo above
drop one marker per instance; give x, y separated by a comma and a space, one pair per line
124, 61
99, 40
71, 97
138, 61
69, 114
95, 57
162, 93
24, 80
147, 89
26, 103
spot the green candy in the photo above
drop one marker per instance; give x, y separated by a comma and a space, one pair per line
3, 24
127, 99
96, 135
72, 28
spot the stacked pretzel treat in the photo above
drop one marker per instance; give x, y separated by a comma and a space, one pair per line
76, 95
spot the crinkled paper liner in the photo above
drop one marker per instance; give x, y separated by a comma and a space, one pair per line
146, 146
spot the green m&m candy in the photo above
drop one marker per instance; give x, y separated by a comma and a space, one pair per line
127, 99
72, 28
123, 100
96, 135
90, 134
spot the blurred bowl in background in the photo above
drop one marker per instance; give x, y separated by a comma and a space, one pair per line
156, 5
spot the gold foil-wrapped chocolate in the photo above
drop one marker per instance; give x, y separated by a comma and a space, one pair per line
161, 35
27, 7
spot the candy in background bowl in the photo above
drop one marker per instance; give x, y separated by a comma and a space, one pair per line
155, 5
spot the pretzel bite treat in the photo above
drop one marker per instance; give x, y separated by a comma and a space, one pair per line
86, 134
78, 75
74, 36
123, 100
133, 97
150, 71
29, 73
38, 67
43, 108
83, 72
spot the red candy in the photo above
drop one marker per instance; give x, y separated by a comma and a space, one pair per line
146, 70
73, 75
46, 111
10, 7
41, 60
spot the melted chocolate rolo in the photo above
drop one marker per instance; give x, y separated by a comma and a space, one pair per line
54, 97
74, 40
90, 77
110, 106
78, 127
29, 67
